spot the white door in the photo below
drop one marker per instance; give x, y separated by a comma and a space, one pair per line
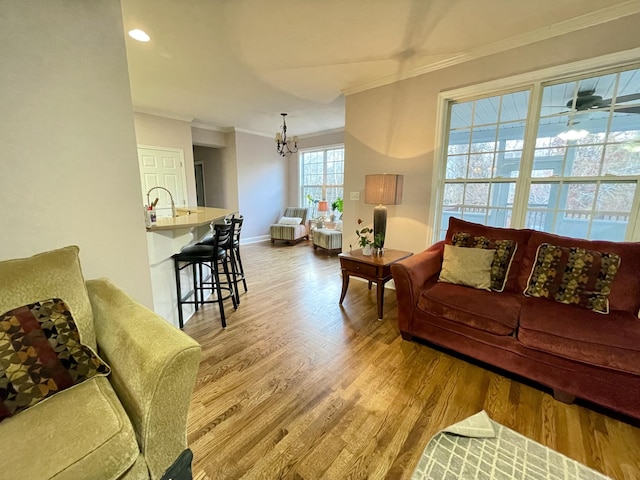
161, 167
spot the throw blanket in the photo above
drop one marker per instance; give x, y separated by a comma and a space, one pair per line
479, 448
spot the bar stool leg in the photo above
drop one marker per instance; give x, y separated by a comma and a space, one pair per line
216, 279
241, 269
176, 266
232, 290
234, 275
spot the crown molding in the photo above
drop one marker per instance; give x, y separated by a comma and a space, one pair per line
158, 113
587, 20
251, 132
324, 132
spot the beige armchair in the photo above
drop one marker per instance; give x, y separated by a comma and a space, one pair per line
130, 424
292, 226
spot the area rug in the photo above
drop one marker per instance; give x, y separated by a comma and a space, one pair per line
478, 448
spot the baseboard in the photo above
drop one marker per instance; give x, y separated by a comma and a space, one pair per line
261, 238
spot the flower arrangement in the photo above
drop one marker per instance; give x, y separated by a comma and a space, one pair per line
363, 235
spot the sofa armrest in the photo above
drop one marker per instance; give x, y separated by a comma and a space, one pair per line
410, 275
154, 368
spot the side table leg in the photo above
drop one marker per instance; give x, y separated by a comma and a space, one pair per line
345, 285
380, 295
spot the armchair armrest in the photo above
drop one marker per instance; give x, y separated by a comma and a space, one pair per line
154, 368
410, 275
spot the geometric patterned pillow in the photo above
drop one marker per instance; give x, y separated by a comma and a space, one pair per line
41, 355
502, 258
572, 275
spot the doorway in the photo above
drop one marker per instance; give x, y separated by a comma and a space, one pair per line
200, 192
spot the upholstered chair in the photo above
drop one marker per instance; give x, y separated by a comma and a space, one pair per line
292, 226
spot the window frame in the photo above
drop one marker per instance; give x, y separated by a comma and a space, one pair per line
534, 82
301, 196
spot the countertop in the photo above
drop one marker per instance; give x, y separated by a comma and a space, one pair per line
189, 217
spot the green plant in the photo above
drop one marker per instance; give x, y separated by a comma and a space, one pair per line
311, 200
337, 204
363, 235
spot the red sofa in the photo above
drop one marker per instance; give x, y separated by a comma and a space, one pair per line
574, 351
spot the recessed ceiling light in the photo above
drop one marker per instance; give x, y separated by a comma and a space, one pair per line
139, 35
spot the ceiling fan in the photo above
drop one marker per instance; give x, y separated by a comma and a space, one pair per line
588, 100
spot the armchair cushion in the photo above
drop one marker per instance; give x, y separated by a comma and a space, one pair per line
82, 432
41, 355
54, 274
290, 221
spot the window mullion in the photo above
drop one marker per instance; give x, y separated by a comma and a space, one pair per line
523, 182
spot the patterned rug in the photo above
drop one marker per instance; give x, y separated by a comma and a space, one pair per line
478, 448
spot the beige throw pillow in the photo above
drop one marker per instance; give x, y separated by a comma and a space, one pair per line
470, 267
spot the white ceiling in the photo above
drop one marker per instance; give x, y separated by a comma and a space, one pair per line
240, 63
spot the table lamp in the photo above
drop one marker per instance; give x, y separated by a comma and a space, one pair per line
323, 206
382, 189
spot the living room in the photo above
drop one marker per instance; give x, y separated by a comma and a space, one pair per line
70, 172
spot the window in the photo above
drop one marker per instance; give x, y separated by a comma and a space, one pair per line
322, 174
567, 164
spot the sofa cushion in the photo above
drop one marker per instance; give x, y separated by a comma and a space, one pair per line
54, 274
491, 312
40, 355
467, 266
611, 341
625, 288
520, 237
574, 276
502, 258
82, 432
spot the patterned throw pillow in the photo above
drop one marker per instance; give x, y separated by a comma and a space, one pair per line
502, 258
41, 355
573, 275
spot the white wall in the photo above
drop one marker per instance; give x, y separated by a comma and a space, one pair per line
69, 172
155, 131
392, 129
262, 181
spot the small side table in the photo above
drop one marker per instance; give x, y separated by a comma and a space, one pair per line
375, 268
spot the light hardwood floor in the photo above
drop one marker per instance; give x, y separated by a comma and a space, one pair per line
298, 387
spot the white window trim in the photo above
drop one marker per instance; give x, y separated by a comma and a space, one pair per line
302, 151
523, 81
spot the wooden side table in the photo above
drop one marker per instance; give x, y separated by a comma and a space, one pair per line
375, 268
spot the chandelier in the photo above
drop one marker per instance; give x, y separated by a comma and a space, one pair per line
284, 146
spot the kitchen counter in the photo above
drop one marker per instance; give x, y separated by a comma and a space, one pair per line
190, 217
165, 238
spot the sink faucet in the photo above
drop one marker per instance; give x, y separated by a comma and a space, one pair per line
173, 205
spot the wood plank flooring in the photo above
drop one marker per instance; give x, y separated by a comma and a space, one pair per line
299, 387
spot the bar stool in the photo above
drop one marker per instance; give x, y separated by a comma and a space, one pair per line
212, 256
237, 228
226, 242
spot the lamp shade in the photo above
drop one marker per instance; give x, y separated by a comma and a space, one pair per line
323, 206
383, 189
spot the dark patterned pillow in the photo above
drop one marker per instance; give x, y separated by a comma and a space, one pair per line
573, 275
502, 258
41, 355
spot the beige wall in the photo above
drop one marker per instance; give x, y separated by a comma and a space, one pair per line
262, 181
154, 131
69, 171
208, 138
391, 129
